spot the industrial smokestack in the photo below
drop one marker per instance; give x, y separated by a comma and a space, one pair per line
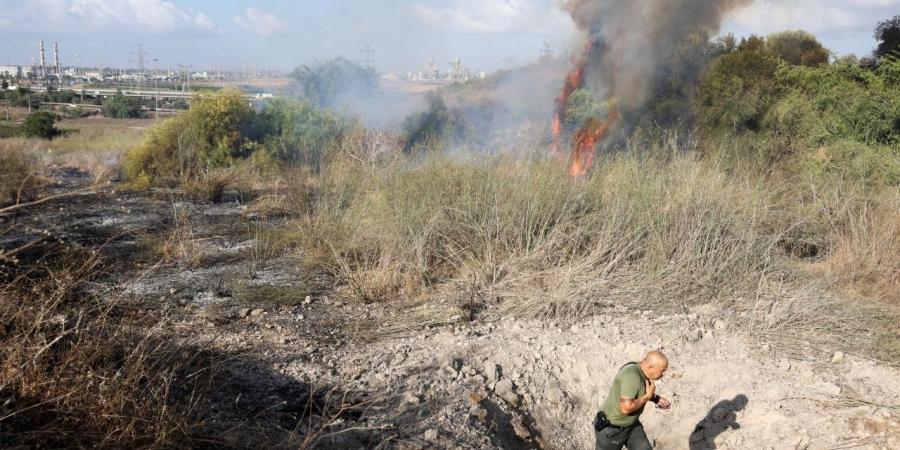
56, 60
43, 61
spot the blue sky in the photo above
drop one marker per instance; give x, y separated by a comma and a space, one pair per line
280, 34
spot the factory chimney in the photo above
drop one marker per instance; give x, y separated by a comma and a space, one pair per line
43, 61
56, 61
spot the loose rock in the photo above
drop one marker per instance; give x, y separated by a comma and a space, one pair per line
506, 390
837, 358
492, 371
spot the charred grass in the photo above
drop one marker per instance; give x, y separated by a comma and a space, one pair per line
79, 370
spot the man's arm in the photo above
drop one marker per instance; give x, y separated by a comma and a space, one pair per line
631, 405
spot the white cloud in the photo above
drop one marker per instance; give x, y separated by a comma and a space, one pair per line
155, 16
820, 17
260, 22
494, 16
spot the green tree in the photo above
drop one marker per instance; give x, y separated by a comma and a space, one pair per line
436, 122
582, 106
331, 83
798, 48
121, 107
40, 125
738, 88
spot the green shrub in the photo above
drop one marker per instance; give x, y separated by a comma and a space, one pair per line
872, 164
40, 125
798, 48
222, 129
331, 83
738, 88
297, 133
121, 107
434, 125
582, 106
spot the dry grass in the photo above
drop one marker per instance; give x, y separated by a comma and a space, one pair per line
211, 185
527, 233
93, 144
20, 179
79, 371
657, 229
178, 243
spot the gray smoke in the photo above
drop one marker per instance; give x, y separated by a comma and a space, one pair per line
632, 39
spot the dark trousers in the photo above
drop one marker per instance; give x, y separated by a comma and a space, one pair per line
633, 437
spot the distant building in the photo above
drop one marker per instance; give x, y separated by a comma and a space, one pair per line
456, 72
15, 71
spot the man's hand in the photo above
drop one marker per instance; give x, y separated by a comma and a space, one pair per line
651, 390
663, 403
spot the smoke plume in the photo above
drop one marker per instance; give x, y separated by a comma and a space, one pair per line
629, 47
629, 39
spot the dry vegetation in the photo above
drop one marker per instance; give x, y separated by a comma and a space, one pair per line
523, 238
84, 371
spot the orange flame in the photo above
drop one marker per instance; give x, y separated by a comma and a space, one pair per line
593, 130
574, 80
586, 140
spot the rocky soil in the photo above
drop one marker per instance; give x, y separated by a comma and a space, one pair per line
416, 376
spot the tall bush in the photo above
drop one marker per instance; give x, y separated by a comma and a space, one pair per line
40, 125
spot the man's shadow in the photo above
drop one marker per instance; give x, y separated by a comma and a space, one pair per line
720, 418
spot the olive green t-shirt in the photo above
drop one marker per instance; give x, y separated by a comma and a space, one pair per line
629, 383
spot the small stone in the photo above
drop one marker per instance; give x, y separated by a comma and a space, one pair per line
411, 399
695, 335
506, 390
173, 291
455, 318
784, 364
492, 371
243, 312
307, 300
257, 312
431, 435
519, 427
719, 324
837, 358
479, 412
448, 371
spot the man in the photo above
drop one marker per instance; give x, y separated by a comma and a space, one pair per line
617, 423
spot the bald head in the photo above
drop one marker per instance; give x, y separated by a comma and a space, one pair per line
654, 365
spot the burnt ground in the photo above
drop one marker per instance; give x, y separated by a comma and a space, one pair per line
300, 365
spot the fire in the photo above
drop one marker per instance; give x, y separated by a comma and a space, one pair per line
586, 140
593, 130
574, 80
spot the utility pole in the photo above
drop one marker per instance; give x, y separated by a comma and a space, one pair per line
367, 56
155, 90
140, 53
